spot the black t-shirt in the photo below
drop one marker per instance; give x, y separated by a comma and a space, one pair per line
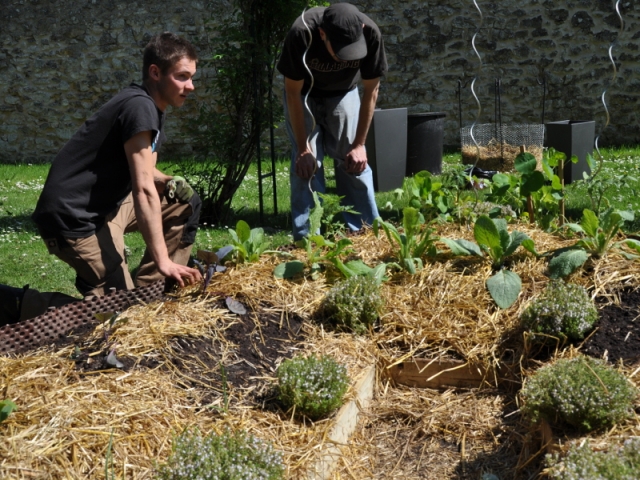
90, 176
330, 78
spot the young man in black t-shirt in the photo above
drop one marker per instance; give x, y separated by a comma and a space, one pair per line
104, 182
346, 48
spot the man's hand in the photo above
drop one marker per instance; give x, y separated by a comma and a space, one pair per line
177, 189
181, 274
356, 160
306, 165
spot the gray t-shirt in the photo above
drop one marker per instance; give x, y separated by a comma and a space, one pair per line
90, 177
331, 78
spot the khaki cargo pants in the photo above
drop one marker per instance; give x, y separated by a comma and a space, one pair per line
100, 261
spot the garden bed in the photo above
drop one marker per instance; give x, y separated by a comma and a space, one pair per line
189, 361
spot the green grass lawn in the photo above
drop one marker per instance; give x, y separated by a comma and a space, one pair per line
24, 258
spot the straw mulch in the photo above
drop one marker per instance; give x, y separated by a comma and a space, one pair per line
498, 156
67, 417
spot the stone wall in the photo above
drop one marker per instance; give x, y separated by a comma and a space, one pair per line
61, 59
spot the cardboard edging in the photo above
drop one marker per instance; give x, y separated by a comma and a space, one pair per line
343, 426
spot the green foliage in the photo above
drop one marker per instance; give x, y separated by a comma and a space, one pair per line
564, 310
581, 462
248, 243
331, 221
7, 407
598, 239
435, 198
229, 456
321, 251
583, 392
313, 385
493, 238
600, 186
413, 243
353, 304
227, 132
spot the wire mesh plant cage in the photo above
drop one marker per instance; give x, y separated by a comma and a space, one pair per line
497, 145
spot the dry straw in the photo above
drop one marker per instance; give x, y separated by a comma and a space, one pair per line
67, 417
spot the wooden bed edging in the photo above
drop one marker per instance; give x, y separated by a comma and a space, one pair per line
439, 373
343, 426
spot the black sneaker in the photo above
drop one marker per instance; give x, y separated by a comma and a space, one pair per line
10, 304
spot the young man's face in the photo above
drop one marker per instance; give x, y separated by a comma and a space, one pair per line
176, 83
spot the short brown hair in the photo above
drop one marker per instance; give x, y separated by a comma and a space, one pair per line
165, 50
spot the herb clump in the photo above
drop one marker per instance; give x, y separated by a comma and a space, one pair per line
353, 304
313, 385
620, 463
564, 310
230, 456
582, 392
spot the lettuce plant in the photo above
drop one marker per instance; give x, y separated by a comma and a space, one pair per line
494, 240
412, 243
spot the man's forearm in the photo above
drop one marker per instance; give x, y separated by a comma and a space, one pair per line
148, 214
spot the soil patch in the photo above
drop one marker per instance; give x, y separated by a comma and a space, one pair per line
247, 351
618, 331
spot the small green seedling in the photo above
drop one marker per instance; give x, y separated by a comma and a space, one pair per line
6, 408
412, 243
248, 243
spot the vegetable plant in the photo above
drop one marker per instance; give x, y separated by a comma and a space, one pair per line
248, 243
412, 243
494, 239
321, 251
598, 239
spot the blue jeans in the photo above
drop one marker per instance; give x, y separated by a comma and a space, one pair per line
336, 124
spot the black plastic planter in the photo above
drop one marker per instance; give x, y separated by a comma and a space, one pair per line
387, 148
572, 137
424, 142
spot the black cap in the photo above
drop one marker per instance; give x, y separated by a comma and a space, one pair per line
343, 26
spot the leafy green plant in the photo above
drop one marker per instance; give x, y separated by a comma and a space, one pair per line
412, 243
598, 238
7, 407
564, 310
598, 185
248, 243
583, 392
313, 385
494, 239
617, 463
321, 251
353, 304
231, 455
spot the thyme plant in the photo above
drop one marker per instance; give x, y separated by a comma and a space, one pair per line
230, 456
353, 304
313, 385
564, 310
619, 463
582, 392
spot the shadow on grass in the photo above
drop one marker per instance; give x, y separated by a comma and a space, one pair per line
20, 223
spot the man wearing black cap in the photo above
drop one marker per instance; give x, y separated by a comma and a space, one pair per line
346, 48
